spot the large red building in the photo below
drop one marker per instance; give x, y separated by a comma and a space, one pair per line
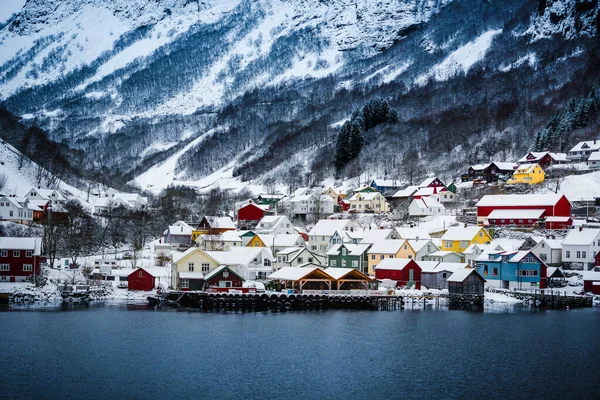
249, 214
20, 259
521, 209
406, 272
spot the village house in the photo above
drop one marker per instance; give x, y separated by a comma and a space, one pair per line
373, 202
490, 172
385, 186
402, 270
222, 241
223, 277
556, 277
458, 239
55, 197
444, 257
425, 206
180, 233
544, 159
370, 236
416, 249
269, 199
582, 150
466, 281
475, 250
213, 225
20, 258
527, 173
522, 209
249, 214
297, 256
320, 235
516, 269
349, 256
412, 233
148, 278
382, 250
275, 225
591, 282
434, 275
580, 247
549, 251
593, 160
340, 237
15, 209
429, 187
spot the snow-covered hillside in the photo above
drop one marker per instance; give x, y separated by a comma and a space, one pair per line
136, 85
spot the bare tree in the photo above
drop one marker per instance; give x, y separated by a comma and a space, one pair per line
3, 180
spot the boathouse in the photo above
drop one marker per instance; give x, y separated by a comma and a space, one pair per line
303, 278
466, 281
404, 271
223, 277
349, 279
141, 279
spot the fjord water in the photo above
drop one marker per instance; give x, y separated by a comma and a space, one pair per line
123, 352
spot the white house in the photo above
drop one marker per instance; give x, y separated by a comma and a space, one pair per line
275, 225
250, 262
422, 248
582, 150
320, 235
55, 197
223, 241
308, 204
549, 251
594, 160
134, 200
296, 256
15, 209
444, 256
425, 206
581, 246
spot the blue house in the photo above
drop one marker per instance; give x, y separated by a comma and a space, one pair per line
387, 185
520, 269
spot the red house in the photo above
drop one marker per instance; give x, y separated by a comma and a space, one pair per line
591, 282
20, 259
558, 222
518, 209
141, 279
252, 212
544, 158
403, 270
223, 277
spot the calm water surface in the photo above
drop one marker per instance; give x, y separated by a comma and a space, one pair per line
120, 352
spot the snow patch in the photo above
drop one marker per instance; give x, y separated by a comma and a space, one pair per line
529, 59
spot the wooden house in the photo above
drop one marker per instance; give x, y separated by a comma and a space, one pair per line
490, 172
223, 277
381, 251
349, 256
520, 269
553, 205
402, 270
458, 239
466, 281
528, 174
148, 278
20, 258
250, 214
544, 159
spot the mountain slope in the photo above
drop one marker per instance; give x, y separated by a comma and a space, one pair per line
138, 85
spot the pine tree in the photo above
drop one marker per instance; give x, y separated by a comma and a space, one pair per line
342, 148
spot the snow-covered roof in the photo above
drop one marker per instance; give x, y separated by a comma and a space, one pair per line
397, 264
427, 181
289, 250
545, 199
537, 156
428, 266
180, 229
516, 214
507, 244
157, 272
412, 233
191, 275
418, 245
368, 196
425, 191
293, 273
461, 233
338, 273
327, 227
595, 156
21, 243
406, 192
582, 237
353, 249
552, 243
388, 246
240, 255
227, 236
287, 240
220, 222
558, 219
587, 145
442, 253
387, 182
49, 194
461, 274
525, 168
519, 255
451, 266
375, 235
218, 270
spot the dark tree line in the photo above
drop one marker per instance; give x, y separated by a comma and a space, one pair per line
351, 137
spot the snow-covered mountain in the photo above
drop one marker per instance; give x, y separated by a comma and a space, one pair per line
216, 92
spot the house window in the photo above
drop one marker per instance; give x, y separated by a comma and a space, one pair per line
3, 253
344, 252
381, 256
343, 262
448, 243
485, 270
405, 247
578, 254
310, 259
543, 256
300, 260
480, 234
225, 274
333, 263
16, 253
4, 267
567, 254
141, 273
185, 283
583, 254
205, 267
27, 267
355, 264
313, 248
29, 253
267, 262
410, 257
543, 245
495, 272
225, 284
372, 256
190, 267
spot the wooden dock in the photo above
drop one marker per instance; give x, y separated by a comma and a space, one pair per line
281, 302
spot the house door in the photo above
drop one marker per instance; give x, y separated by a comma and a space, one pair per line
505, 284
12, 278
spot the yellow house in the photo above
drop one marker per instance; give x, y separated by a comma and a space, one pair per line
261, 240
331, 192
457, 239
382, 250
369, 202
528, 173
192, 262
416, 249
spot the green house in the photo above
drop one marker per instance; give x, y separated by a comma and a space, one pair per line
348, 255
452, 188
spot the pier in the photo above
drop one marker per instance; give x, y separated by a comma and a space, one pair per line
548, 298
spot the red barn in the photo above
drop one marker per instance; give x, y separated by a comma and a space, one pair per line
20, 259
591, 282
558, 222
546, 205
403, 270
253, 212
223, 277
140, 279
